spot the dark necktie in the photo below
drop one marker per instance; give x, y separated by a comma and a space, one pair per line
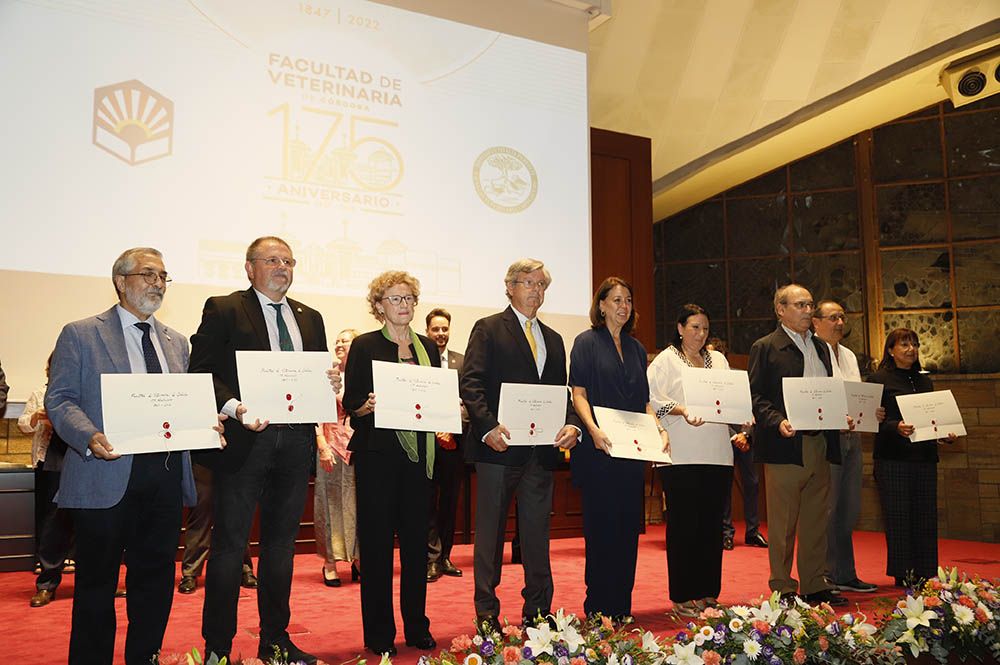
284, 339
148, 352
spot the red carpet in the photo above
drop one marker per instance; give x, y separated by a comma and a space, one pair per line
327, 621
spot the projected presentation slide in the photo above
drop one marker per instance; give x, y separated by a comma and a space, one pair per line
367, 136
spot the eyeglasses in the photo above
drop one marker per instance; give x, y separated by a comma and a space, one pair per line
395, 300
802, 304
151, 277
833, 317
274, 261
531, 284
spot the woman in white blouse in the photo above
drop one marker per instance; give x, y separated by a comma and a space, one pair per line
695, 485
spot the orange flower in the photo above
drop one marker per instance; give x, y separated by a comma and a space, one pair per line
968, 602
824, 643
604, 648
932, 601
935, 584
511, 654
711, 657
799, 657
461, 643
606, 623
513, 631
578, 660
981, 615
762, 627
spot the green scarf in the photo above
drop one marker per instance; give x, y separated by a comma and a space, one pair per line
408, 438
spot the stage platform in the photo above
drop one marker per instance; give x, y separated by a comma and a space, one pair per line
327, 620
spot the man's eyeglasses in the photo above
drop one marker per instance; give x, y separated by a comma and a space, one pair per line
395, 300
833, 317
274, 261
802, 304
151, 277
531, 284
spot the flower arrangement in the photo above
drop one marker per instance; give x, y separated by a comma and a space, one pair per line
775, 632
194, 657
948, 613
559, 639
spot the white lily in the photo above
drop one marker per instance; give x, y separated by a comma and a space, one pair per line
915, 613
649, 643
768, 611
793, 618
917, 644
572, 638
563, 620
684, 655
539, 639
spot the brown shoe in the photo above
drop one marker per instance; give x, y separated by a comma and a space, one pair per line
43, 597
249, 580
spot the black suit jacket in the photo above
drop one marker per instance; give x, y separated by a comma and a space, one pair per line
236, 323
358, 383
772, 358
498, 353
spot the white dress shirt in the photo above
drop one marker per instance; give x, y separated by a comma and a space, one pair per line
536, 332
133, 342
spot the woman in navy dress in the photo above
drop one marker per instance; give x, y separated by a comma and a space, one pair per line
608, 368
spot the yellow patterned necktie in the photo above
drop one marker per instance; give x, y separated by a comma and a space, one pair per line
531, 339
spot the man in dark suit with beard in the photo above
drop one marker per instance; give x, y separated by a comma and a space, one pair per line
265, 465
513, 347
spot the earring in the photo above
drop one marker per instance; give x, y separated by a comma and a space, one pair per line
602, 313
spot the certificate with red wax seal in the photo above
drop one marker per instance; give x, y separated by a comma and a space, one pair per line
417, 398
815, 403
862, 401
286, 387
933, 415
533, 413
633, 435
155, 413
717, 396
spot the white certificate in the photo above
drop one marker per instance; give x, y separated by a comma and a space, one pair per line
417, 398
862, 401
813, 403
933, 415
633, 435
533, 413
155, 413
717, 396
286, 387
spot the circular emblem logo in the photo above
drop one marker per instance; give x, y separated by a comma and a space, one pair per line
505, 180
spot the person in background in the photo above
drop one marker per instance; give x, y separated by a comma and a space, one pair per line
393, 470
335, 500
695, 484
608, 369
53, 526
749, 484
3, 392
906, 471
449, 466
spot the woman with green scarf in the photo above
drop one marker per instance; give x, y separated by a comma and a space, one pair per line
392, 470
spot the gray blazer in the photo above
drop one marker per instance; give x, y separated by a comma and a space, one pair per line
85, 350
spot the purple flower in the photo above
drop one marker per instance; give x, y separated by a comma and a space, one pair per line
755, 635
561, 650
682, 637
627, 659
486, 648
526, 652
719, 636
784, 631
774, 660
767, 651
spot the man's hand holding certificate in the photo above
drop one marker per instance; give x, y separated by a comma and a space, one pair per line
413, 397
532, 413
286, 387
815, 403
154, 413
717, 396
863, 401
633, 435
933, 415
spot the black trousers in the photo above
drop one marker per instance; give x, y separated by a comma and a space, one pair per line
198, 528
496, 486
393, 497
275, 476
53, 530
908, 494
611, 537
750, 488
143, 527
696, 495
444, 490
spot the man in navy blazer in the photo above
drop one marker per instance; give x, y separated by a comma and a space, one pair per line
513, 347
122, 505
265, 465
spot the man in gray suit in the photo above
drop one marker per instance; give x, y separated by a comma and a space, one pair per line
122, 505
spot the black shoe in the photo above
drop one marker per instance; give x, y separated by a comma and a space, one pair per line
121, 593
788, 598
43, 597
188, 584
515, 553
727, 543
856, 586
824, 597
355, 573
425, 643
487, 624
433, 572
756, 539
386, 650
330, 581
249, 580
285, 652
449, 569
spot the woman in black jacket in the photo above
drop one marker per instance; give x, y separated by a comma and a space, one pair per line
905, 471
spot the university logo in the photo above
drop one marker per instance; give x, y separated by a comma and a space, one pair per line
133, 122
505, 180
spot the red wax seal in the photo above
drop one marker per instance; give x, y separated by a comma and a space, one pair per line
419, 416
820, 409
291, 407
635, 441
166, 435
288, 397
860, 415
719, 411
532, 425
821, 417
718, 403
531, 432
166, 425
417, 407
933, 422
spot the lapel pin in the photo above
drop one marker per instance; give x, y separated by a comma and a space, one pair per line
298, 309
